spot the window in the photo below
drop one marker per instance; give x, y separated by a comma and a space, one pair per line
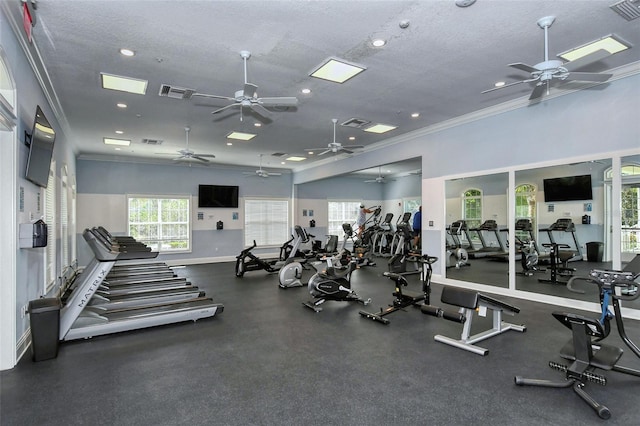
266, 221
341, 212
526, 208
64, 221
50, 220
161, 222
411, 204
472, 205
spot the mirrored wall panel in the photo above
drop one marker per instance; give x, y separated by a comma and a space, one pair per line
477, 227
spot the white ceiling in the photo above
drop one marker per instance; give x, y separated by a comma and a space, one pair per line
438, 66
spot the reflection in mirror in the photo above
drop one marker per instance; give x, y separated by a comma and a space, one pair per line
630, 215
476, 215
568, 208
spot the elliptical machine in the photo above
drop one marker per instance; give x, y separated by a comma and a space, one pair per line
246, 261
332, 284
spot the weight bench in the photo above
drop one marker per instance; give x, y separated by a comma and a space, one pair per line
469, 302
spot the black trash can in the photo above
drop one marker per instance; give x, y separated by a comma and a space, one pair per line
595, 251
45, 327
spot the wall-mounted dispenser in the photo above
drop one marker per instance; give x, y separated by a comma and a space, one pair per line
33, 235
219, 225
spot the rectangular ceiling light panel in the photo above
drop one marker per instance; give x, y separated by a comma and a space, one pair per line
241, 136
337, 70
610, 43
123, 84
118, 142
294, 158
380, 128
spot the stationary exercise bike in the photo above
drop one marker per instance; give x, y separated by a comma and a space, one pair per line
290, 274
333, 283
585, 350
404, 299
528, 257
558, 261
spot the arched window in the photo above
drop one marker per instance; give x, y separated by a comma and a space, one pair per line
526, 207
630, 208
472, 207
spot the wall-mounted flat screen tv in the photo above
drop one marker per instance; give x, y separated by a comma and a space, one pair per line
40, 150
217, 196
570, 188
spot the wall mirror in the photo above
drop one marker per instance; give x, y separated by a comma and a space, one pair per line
476, 235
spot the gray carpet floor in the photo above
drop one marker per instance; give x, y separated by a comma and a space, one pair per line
268, 360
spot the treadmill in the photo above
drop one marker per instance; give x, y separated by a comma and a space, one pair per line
487, 249
565, 224
77, 322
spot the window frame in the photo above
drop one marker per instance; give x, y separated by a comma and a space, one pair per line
279, 235
151, 242
332, 228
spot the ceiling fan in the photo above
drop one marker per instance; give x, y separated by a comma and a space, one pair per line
336, 146
186, 154
548, 70
261, 172
248, 97
379, 179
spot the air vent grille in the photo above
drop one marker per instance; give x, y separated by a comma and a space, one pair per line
152, 141
628, 9
175, 92
279, 154
357, 123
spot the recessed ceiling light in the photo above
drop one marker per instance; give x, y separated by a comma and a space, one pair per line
123, 84
380, 128
257, 124
119, 132
415, 115
306, 91
352, 138
499, 84
610, 43
121, 105
117, 148
241, 136
294, 158
118, 142
127, 52
378, 42
229, 143
310, 152
337, 70
283, 162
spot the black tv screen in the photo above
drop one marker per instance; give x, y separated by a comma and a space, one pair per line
217, 196
40, 150
570, 188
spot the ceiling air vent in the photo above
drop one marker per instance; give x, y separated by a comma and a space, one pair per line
357, 123
152, 141
279, 154
175, 92
628, 9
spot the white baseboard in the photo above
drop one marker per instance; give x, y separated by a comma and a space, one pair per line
23, 344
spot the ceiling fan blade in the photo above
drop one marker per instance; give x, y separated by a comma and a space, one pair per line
224, 108
281, 101
205, 155
325, 152
353, 146
523, 67
348, 151
537, 91
259, 109
586, 60
587, 76
506, 85
204, 95
198, 157
250, 90
370, 181
274, 174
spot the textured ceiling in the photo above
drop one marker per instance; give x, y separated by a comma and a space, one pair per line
437, 66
